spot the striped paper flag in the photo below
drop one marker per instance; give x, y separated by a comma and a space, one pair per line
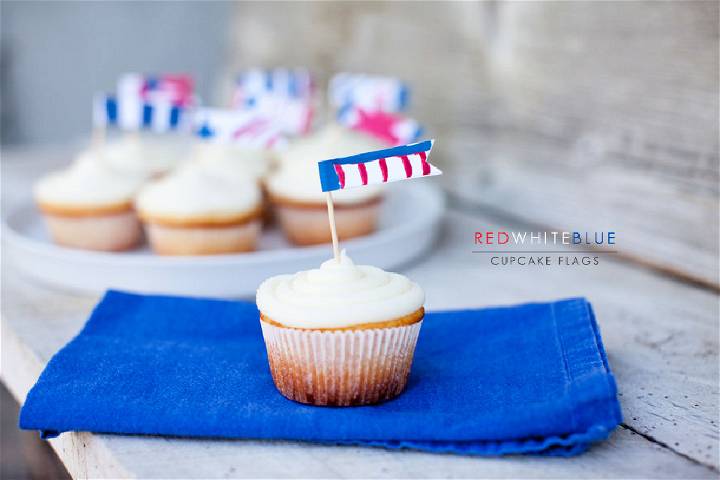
369, 92
390, 128
239, 127
382, 166
254, 85
156, 103
284, 95
105, 111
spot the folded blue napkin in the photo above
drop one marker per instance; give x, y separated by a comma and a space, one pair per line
529, 378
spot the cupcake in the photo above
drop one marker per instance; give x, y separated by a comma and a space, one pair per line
90, 205
151, 155
343, 334
197, 211
298, 201
234, 159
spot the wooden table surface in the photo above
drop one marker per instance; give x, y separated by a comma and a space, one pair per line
661, 335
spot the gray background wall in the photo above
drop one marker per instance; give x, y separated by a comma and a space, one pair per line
55, 54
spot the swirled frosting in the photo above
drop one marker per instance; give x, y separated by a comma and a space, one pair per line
297, 176
88, 182
195, 193
338, 294
146, 154
230, 159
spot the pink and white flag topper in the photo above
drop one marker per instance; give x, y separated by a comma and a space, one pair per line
381, 166
239, 127
369, 92
390, 128
285, 95
153, 102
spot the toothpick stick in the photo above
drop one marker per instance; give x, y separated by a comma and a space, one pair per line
333, 229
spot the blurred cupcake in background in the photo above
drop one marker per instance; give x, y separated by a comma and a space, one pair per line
152, 114
296, 196
200, 211
89, 205
238, 143
232, 159
149, 155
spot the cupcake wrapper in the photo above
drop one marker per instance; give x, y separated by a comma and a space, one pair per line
341, 367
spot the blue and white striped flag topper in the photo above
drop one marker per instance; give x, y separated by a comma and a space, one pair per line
368, 92
155, 115
255, 85
381, 166
104, 111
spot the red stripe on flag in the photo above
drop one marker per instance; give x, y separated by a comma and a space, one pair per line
363, 173
425, 164
383, 169
340, 174
407, 165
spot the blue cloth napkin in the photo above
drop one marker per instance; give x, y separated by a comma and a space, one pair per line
528, 378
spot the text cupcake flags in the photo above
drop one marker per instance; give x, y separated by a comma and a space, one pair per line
371, 168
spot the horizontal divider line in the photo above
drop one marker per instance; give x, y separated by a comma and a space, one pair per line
545, 251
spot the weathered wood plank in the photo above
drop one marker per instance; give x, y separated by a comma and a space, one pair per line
565, 114
535, 181
661, 337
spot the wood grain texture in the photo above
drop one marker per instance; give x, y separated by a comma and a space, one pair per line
661, 337
567, 115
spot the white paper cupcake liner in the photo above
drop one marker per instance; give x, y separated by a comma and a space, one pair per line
341, 367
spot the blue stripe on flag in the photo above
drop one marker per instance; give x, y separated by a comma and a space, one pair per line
293, 85
111, 110
418, 133
343, 112
205, 131
329, 179
403, 97
174, 116
147, 114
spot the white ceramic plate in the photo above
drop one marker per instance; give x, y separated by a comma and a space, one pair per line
408, 225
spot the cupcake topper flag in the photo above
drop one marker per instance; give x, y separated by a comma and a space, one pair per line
381, 166
104, 113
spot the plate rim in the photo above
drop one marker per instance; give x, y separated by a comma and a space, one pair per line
16, 239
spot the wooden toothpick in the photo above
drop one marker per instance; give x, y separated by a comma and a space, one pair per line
333, 229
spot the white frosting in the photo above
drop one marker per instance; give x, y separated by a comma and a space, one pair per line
230, 159
338, 294
297, 177
195, 192
144, 154
88, 182
332, 141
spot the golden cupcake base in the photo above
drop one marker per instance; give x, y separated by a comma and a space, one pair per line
308, 224
341, 367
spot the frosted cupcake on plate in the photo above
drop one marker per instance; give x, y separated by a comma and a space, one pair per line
298, 200
197, 211
343, 334
232, 159
90, 205
151, 155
